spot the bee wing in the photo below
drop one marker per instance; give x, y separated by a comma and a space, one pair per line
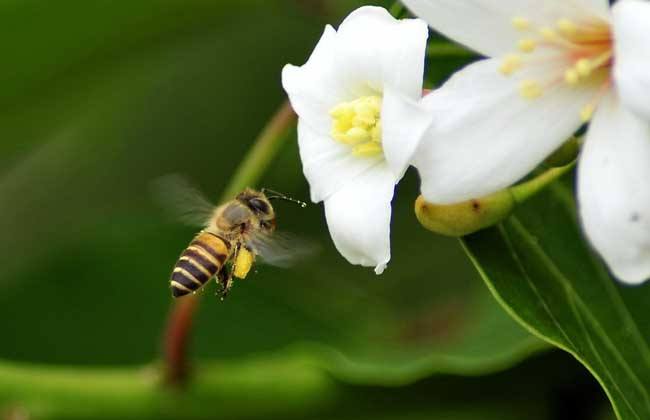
182, 200
281, 249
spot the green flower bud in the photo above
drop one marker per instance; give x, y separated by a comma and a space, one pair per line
464, 218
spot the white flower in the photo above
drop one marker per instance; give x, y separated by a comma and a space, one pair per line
355, 81
574, 61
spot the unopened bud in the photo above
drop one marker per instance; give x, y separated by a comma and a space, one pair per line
467, 217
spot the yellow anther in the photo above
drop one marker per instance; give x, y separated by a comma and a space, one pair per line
520, 23
357, 123
567, 27
572, 77
510, 64
527, 45
530, 89
583, 67
357, 135
548, 34
368, 149
341, 110
587, 112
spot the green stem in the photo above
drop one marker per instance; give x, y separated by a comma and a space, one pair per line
525, 190
264, 150
446, 49
251, 169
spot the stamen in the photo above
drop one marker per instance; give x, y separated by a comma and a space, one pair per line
357, 123
587, 112
520, 23
530, 89
567, 27
583, 67
571, 76
548, 34
527, 45
510, 64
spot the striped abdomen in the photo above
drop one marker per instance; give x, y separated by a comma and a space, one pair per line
202, 259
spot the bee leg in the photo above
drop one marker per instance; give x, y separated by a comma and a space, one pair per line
222, 278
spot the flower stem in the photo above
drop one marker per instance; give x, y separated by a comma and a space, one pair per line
525, 190
258, 159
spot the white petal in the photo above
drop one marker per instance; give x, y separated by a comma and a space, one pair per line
358, 217
486, 136
613, 192
315, 87
404, 123
631, 20
486, 25
327, 164
375, 49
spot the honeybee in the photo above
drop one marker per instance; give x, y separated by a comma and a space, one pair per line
234, 234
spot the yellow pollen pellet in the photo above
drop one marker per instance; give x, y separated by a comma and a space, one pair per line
587, 112
567, 27
571, 77
527, 45
368, 149
520, 23
530, 89
510, 64
583, 67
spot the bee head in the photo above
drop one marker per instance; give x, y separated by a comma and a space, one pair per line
259, 204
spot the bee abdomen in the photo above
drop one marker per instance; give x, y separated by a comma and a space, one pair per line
202, 259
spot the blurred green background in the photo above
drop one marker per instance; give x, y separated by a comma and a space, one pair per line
101, 97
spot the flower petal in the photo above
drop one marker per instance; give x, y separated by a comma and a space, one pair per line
327, 164
486, 25
487, 136
358, 217
631, 20
404, 123
613, 193
315, 88
375, 49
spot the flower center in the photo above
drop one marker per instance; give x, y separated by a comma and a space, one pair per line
579, 53
358, 124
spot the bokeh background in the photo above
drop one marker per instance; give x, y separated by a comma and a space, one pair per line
98, 99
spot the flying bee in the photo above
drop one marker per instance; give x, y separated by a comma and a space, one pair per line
234, 234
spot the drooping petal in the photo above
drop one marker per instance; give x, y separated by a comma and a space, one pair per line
375, 49
315, 87
631, 19
327, 164
487, 136
613, 192
404, 123
358, 217
486, 25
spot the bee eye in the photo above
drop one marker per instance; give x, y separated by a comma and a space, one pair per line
258, 205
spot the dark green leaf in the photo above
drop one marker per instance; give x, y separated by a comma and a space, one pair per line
540, 268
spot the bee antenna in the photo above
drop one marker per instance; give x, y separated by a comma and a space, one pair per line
274, 195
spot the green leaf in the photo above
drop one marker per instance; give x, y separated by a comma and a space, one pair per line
539, 267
